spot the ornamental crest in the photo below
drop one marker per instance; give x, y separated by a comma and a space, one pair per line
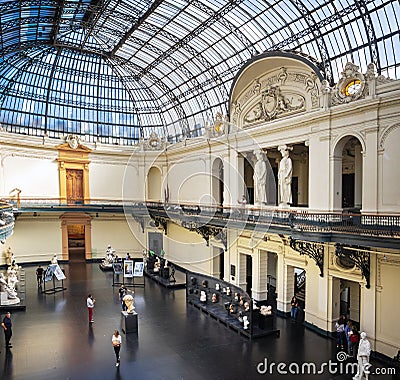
274, 104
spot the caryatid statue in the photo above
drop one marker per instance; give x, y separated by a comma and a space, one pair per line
260, 179
285, 177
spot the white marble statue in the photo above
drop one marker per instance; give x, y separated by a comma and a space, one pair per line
285, 177
260, 179
12, 277
128, 300
157, 265
246, 322
364, 351
54, 260
11, 292
110, 257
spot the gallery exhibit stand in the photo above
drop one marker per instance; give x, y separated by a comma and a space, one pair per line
131, 273
53, 273
129, 322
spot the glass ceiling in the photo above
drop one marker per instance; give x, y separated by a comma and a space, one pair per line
116, 70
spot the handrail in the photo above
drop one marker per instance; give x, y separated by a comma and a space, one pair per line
303, 220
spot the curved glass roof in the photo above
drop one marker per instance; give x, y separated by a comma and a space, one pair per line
116, 70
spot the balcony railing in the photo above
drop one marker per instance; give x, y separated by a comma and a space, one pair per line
248, 217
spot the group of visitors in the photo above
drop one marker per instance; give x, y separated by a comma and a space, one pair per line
347, 336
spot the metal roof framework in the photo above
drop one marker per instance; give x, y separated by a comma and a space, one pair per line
116, 70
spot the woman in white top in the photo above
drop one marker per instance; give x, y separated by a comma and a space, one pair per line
116, 342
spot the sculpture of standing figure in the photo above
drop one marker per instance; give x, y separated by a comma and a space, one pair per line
260, 179
285, 176
364, 351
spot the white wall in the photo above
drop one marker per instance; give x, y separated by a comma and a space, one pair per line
390, 158
35, 239
106, 180
113, 230
35, 176
187, 249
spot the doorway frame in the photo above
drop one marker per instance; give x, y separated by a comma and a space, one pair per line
70, 218
76, 159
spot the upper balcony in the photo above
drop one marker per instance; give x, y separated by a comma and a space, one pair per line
355, 229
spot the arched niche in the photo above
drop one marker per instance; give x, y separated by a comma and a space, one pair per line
217, 182
154, 184
348, 173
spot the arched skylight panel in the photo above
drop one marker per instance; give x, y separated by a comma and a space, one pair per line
190, 17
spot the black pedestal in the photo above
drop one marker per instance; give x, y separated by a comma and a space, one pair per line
129, 322
165, 272
265, 322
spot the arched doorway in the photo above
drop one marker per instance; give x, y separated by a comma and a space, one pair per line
217, 182
154, 184
348, 173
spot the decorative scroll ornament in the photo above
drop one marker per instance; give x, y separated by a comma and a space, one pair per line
205, 231
311, 249
153, 142
274, 104
361, 259
160, 222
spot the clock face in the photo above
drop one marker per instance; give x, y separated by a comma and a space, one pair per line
352, 87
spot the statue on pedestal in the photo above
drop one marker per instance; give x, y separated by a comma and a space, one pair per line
11, 293
110, 258
128, 300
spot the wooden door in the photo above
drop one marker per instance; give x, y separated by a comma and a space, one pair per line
74, 186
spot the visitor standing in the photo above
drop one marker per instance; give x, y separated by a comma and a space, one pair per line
39, 275
294, 308
90, 301
122, 291
116, 342
7, 327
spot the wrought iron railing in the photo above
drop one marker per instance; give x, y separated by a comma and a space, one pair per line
299, 220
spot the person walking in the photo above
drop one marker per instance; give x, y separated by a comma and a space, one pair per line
90, 301
122, 291
39, 275
116, 342
7, 327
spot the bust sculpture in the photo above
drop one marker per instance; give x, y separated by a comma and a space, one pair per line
54, 260
128, 300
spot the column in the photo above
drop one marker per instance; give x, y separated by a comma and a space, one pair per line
284, 285
370, 173
358, 174
260, 273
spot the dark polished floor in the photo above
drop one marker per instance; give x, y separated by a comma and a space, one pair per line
53, 340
